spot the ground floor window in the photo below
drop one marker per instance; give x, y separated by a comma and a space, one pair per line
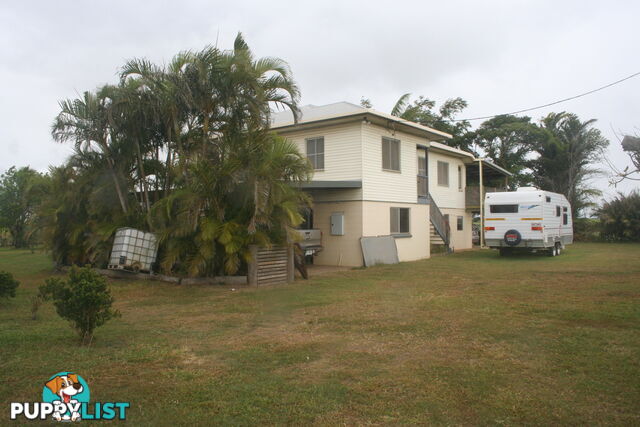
400, 221
460, 223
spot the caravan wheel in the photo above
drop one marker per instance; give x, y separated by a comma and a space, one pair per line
558, 248
553, 251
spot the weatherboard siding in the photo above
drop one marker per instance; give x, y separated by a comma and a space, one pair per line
342, 150
383, 185
451, 196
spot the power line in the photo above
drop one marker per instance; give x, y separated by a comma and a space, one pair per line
551, 103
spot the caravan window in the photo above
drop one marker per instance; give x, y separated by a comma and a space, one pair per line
565, 219
557, 210
503, 208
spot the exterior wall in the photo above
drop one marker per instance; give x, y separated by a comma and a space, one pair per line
460, 239
339, 250
391, 186
451, 196
342, 150
336, 195
377, 222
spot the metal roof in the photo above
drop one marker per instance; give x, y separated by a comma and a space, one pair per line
317, 113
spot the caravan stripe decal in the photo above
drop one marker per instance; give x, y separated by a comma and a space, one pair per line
494, 219
531, 219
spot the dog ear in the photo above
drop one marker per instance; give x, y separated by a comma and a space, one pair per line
54, 385
74, 377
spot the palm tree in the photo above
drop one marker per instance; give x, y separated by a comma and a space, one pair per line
565, 158
85, 122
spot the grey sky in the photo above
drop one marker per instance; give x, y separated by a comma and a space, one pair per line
498, 55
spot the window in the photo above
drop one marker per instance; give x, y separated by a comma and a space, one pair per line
503, 208
443, 174
400, 221
557, 210
548, 199
565, 219
391, 154
315, 152
564, 209
460, 223
307, 222
460, 178
423, 185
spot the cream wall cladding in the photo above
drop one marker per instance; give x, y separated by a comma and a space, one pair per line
377, 222
384, 185
451, 196
460, 239
342, 150
339, 250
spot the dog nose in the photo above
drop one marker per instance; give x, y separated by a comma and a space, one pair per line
77, 386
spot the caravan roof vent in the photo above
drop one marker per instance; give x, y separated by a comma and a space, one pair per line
527, 189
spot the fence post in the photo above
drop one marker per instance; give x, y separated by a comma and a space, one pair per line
252, 269
290, 264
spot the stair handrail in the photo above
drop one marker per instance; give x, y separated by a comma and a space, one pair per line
439, 223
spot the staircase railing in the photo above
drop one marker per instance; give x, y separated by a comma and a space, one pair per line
440, 224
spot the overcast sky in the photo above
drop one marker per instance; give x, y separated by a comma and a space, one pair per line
500, 56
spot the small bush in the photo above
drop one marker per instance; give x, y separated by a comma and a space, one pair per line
8, 285
620, 218
84, 300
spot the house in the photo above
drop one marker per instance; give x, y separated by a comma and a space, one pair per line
377, 174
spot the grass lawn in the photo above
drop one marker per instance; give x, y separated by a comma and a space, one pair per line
470, 338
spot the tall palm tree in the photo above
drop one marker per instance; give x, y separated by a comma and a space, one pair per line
84, 121
565, 158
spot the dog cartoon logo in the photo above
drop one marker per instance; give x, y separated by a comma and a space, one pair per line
67, 391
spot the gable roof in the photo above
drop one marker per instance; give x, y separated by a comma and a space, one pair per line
340, 110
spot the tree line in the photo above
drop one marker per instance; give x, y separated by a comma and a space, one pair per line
185, 150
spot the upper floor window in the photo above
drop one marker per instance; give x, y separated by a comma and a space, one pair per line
443, 174
390, 154
460, 178
315, 152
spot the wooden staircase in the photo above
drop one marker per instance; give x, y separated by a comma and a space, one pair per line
440, 232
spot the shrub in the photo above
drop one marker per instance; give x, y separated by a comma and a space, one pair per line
84, 300
8, 285
587, 230
620, 218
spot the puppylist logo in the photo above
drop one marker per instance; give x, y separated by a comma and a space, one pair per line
65, 397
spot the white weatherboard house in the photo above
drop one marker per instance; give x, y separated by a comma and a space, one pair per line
380, 175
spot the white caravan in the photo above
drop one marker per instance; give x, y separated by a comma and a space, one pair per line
527, 219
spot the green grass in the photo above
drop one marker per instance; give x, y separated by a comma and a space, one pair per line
470, 338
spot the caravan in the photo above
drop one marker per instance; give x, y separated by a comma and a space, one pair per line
527, 220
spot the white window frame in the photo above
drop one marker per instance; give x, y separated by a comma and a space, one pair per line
444, 174
396, 222
389, 145
315, 154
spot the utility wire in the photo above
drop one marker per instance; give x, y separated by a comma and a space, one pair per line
551, 103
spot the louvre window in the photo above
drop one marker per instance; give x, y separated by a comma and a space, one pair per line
443, 174
315, 152
460, 223
391, 154
400, 221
